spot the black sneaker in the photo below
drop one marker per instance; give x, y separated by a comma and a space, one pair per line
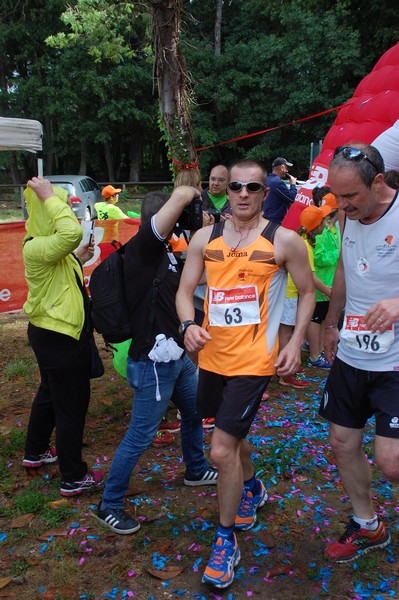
117, 520
93, 480
34, 461
210, 477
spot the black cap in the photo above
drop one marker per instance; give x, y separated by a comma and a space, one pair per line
280, 161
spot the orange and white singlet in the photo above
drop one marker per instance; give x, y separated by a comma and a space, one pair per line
243, 306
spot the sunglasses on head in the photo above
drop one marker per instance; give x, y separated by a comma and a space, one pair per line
252, 186
355, 154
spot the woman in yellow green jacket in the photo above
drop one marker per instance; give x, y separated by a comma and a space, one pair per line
58, 334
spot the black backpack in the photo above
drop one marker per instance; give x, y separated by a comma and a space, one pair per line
109, 312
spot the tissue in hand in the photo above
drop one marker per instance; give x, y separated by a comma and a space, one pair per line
165, 350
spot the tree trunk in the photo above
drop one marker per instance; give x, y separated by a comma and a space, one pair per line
49, 156
135, 155
15, 174
109, 161
83, 158
218, 27
172, 79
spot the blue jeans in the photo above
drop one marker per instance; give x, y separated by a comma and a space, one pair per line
179, 378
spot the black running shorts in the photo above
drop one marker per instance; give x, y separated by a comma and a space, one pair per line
320, 311
351, 396
232, 401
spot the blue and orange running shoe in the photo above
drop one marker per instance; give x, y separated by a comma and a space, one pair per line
220, 568
246, 515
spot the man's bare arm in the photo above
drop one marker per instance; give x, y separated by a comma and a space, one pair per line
195, 337
167, 216
292, 254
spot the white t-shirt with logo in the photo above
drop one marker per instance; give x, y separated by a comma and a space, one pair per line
371, 261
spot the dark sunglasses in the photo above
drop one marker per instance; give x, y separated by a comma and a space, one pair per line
354, 154
252, 186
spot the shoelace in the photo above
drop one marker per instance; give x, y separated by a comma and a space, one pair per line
350, 531
47, 454
246, 506
88, 478
218, 556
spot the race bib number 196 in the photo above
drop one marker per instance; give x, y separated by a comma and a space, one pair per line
234, 306
356, 335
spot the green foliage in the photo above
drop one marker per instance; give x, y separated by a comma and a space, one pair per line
277, 65
100, 25
12, 442
33, 500
18, 368
19, 567
85, 69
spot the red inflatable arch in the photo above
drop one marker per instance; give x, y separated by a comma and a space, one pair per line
371, 116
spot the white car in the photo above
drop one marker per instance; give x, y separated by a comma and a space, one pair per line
83, 191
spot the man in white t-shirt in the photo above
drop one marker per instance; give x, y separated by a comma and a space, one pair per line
364, 378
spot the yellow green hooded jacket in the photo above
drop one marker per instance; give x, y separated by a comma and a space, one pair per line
54, 300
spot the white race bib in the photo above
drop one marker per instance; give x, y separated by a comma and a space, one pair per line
234, 306
356, 335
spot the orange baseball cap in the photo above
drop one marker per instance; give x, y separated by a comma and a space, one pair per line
178, 244
312, 216
330, 200
109, 191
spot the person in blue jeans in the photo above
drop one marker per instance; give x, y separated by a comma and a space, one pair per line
158, 368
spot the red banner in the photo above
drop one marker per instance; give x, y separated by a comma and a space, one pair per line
13, 288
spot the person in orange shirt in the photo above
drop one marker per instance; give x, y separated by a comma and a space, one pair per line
246, 259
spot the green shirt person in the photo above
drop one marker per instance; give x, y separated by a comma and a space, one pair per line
107, 210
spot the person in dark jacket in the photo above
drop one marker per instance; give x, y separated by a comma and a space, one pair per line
157, 367
280, 197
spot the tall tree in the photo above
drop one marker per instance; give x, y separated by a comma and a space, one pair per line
277, 65
172, 79
218, 27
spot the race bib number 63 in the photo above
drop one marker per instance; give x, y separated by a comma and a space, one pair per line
234, 307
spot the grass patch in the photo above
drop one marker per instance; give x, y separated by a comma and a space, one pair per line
10, 210
19, 567
12, 442
20, 367
32, 500
65, 569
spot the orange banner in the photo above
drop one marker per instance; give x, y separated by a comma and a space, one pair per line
13, 289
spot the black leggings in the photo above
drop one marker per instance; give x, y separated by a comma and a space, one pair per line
62, 399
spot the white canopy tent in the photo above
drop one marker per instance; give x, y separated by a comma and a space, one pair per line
22, 134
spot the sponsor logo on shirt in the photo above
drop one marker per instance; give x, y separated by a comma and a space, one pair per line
362, 265
237, 254
234, 295
349, 243
387, 248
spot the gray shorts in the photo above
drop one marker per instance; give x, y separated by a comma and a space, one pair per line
351, 396
289, 311
232, 401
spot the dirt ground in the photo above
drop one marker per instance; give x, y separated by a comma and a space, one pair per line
52, 550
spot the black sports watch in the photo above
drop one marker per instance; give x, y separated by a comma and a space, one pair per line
184, 325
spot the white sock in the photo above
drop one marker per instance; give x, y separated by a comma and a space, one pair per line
370, 524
